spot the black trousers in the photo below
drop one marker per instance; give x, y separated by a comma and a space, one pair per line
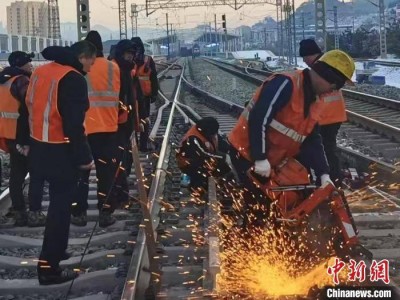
329, 134
54, 163
104, 151
124, 157
144, 112
18, 172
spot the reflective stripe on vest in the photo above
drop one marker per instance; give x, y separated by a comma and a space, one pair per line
103, 89
144, 77
45, 121
295, 136
8, 110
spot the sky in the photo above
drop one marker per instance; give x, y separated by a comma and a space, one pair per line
105, 12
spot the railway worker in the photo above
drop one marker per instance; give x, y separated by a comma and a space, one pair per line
145, 71
198, 155
282, 121
128, 119
14, 130
57, 100
333, 115
101, 124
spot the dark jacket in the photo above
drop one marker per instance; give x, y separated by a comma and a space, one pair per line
72, 102
126, 94
18, 91
275, 95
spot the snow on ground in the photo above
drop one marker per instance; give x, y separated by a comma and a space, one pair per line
251, 54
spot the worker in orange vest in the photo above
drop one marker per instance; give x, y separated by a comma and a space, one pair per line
198, 155
146, 73
101, 124
14, 131
282, 122
57, 100
333, 115
128, 120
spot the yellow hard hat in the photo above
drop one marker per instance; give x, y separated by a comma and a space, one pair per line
340, 61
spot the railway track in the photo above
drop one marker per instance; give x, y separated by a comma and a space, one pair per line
373, 128
104, 262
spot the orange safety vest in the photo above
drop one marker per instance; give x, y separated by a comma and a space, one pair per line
143, 72
334, 109
210, 146
8, 110
287, 130
45, 121
103, 85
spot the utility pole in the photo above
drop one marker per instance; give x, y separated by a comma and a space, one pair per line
166, 15
294, 34
265, 38
134, 15
320, 24
122, 19
226, 35
216, 36
83, 22
382, 29
335, 22
302, 24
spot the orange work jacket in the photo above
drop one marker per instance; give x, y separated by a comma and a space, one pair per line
210, 146
143, 72
103, 86
287, 130
45, 121
8, 111
334, 108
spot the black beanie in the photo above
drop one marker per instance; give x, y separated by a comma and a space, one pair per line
20, 58
309, 47
208, 126
137, 41
94, 37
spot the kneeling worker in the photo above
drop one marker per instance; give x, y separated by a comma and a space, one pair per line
198, 155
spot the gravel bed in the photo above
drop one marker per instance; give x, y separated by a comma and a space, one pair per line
219, 82
33, 252
385, 91
5, 170
72, 234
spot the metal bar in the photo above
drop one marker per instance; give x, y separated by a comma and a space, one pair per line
132, 282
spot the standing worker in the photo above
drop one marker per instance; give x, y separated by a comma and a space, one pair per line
14, 128
57, 100
101, 123
145, 70
281, 122
332, 116
198, 155
128, 119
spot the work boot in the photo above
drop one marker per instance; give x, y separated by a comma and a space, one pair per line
79, 220
21, 218
36, 219
48, 276
106, 219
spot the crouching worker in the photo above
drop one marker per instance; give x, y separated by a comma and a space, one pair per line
198, 155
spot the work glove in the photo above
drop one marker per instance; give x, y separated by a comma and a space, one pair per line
325, 180
262, 168
23, 150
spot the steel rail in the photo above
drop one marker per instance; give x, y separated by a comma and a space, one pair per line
137, 278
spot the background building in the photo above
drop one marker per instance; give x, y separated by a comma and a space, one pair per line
28, 18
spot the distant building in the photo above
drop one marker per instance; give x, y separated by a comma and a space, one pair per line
27, 18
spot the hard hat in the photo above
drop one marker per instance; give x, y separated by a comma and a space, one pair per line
340, 61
